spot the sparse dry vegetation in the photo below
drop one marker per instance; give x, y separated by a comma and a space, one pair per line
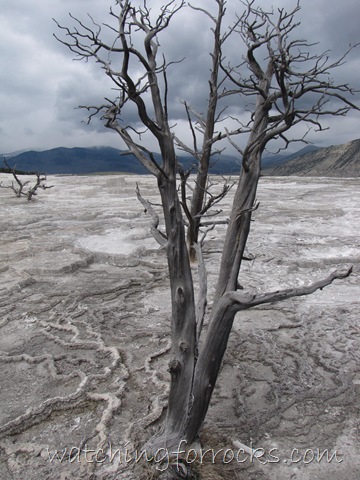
24, 187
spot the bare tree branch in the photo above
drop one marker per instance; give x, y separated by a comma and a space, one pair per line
20, 189
286, 83
241, 301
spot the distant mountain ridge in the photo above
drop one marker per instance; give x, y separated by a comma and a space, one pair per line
271, 162
335, 161
77, 161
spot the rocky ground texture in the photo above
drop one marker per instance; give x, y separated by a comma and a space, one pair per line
85, 336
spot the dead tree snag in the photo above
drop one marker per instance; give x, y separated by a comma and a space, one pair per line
270, 72
23, 188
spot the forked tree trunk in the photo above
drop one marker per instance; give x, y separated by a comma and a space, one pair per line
192, 384
190, 395
183, 323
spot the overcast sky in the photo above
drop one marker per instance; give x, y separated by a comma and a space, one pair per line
41, 84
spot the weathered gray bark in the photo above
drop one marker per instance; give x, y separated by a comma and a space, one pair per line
244, 202
183, 326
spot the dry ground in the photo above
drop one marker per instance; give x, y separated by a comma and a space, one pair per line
85, 322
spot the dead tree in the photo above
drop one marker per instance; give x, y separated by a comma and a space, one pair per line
277, 88
22, 188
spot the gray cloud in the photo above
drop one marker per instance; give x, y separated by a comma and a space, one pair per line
41, 84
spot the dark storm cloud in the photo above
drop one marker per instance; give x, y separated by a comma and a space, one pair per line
41, 84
